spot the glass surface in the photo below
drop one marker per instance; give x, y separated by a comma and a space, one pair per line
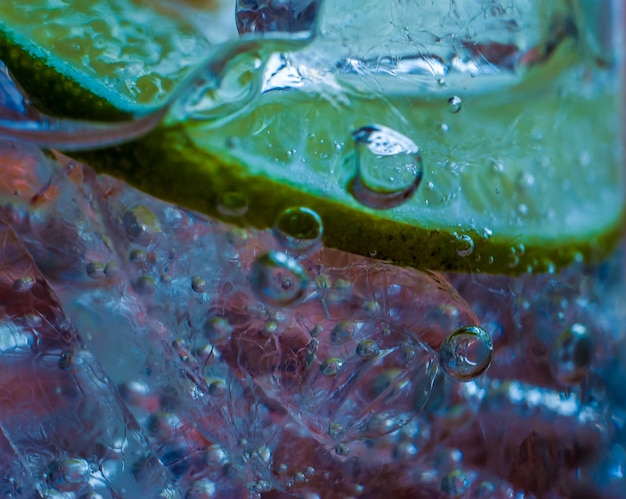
149, 350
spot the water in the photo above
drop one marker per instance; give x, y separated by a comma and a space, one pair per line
200, 359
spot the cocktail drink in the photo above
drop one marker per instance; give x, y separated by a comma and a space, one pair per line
317, 249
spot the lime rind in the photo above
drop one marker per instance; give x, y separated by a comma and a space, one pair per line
196, 177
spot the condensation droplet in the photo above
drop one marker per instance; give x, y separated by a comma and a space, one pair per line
232, 204
464, 245
367, 349
298, 229
389, 167
331, 367
455, 104
68, 475
573, 354
466, 353
278, 279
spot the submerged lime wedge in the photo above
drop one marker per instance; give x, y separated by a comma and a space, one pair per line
503, 173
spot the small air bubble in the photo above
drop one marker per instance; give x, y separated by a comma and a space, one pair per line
232, 204
455, 104
342, 450
331, 367
278, 280
144, 285
367, 349
68, 475
218, 329
455, 484
464, 246
95, 270
23, 284
298, 229
573, 353
140, 224
198, 284
201, 489
466, 353
343, 332
389, 167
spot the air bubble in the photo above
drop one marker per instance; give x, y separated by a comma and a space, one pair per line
343, 332
201, 489
232, 204
23, 284
96, 270
464, 246
466, 353
68, 475
298, 229
367, 349
331, 367
278, 280
140, 224
218, 329
198, 284
389, 167
573, 353
455, 104
342, 450
455, 484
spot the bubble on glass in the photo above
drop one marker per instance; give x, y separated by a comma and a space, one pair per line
232, 204
331, 367
367, 349
278, 279
69, 474
466, 353
455, 104
23, 284
573, 354
389, 167
464, 245
298, 229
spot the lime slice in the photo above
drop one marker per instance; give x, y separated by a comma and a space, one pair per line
511, 171
105, 59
